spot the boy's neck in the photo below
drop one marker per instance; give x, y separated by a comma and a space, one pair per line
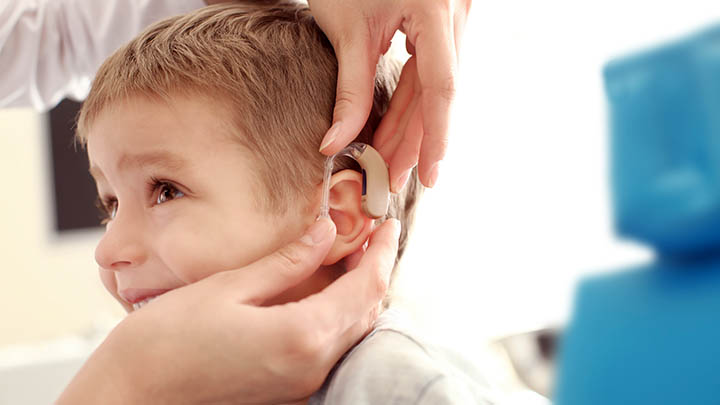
321, 278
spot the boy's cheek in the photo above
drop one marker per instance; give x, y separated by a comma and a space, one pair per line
188, 259
199, 246
193, 260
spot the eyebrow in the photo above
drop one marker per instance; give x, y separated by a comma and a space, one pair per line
160, 159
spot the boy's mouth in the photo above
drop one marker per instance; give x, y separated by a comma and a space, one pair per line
137, 297
139, 305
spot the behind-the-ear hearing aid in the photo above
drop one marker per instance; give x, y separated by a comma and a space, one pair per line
375, 180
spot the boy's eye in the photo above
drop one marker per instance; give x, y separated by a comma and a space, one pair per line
168, 192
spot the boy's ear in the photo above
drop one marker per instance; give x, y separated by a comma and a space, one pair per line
353, 226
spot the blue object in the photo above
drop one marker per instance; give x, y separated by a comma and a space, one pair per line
651, 335
665, 144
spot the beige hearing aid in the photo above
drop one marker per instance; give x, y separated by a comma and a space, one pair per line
375, 180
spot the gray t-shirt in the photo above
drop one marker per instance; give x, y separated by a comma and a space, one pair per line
391, 366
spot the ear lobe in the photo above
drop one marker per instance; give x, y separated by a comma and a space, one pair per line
353, 226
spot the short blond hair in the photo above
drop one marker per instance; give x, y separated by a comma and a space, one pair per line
276, 70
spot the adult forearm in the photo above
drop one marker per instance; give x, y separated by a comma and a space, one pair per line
106, 377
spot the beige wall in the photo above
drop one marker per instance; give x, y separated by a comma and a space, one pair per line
49, 286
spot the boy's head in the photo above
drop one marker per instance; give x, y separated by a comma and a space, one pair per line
202, 136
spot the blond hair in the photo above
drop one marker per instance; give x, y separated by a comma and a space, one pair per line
277, 72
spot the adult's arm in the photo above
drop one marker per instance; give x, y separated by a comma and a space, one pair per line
415, 128
210, 342
50, 49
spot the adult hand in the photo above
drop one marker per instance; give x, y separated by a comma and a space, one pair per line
416, 125
211, 341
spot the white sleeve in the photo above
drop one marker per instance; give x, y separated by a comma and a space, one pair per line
50, 49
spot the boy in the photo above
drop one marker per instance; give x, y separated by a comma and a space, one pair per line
202, 137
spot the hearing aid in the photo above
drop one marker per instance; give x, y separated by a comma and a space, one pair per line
375, 180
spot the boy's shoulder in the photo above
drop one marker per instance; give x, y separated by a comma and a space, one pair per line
392, 365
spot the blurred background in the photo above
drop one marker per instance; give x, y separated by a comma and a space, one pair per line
520, 213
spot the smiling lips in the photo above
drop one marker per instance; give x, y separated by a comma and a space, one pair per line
135, 295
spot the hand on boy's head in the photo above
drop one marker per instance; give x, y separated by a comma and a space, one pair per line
360, 32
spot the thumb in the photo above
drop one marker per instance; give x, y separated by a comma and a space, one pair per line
286, 267
354, 93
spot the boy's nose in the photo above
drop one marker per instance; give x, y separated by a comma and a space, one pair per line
122, 246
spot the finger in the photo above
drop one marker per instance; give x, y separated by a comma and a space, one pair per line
285, 268
341, 304
458, 26
357, 331
401, 98
407, 150
406, 154
461, 14
437, 65
354, 94
388, 149
409, 47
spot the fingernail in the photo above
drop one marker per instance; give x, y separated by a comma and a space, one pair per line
330, 136
434, 172
317, 232
402, 180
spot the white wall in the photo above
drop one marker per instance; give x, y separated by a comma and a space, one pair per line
522, 206
48, 282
